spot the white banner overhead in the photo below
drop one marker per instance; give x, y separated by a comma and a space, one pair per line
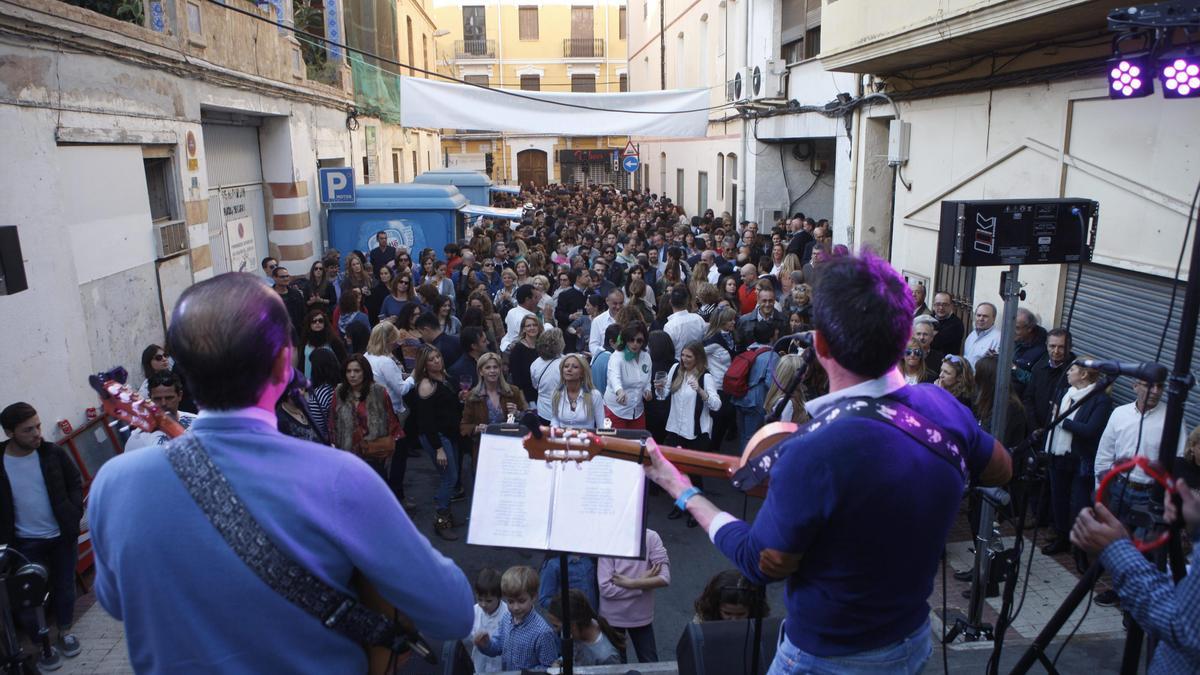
426, 103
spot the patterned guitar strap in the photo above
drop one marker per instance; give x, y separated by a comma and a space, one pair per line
337, 610
886, 410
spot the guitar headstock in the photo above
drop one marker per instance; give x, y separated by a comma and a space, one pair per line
562, 445
123, 403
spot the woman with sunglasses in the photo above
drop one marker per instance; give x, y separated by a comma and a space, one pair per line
373, 303
401, 293
318, 288
318, 333
958, 378
628, 385
912, 364
154, 361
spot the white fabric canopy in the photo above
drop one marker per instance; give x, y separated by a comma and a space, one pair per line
510, 189
493, 212
426, 103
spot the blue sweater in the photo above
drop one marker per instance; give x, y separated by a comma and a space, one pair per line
869, 508
190, 605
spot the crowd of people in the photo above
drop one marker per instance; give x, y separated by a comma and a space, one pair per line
604, 308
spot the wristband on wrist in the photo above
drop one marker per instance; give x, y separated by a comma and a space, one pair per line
684, 496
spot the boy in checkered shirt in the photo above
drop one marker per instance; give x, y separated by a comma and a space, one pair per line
525, 640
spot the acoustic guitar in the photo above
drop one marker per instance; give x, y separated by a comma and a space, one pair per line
581, 445
126, 405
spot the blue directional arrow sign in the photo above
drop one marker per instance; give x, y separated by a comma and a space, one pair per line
631, 163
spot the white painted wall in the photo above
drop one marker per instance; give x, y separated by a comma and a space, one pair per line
693, 156
1137, 158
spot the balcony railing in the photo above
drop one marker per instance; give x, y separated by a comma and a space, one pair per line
582, 48
475, 49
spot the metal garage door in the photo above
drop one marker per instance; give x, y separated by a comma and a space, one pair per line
237, 220
1119, 315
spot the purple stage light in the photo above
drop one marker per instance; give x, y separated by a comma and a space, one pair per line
1130, 76
1180, 77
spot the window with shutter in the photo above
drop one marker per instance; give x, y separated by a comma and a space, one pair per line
622, 30
583, 83
476, 79
528, 22
531, 82
624, 82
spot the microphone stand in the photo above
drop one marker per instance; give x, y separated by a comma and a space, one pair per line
1031, 461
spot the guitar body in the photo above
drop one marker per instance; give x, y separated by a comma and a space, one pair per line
119, 401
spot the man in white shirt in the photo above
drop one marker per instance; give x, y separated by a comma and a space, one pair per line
986, 336
166, 391
1120, 439
683, 326
615, 300
526, 303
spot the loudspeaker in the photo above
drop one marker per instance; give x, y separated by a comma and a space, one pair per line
12, 265
725, 647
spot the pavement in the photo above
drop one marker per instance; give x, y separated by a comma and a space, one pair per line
1095, 648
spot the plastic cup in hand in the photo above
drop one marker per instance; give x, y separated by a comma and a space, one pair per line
660, 386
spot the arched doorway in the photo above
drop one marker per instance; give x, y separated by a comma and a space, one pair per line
531, 167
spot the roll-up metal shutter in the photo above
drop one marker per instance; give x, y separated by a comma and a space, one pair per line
1119, 315
231, 155
235, 195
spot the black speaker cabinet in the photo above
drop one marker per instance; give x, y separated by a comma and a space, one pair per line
12, 265
725, 647
1003, 232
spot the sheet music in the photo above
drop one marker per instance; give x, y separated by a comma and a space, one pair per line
511, 501
598, 508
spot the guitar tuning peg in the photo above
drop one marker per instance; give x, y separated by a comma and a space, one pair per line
124, 429
113, 424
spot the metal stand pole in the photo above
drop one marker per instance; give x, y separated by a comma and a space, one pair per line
568, 644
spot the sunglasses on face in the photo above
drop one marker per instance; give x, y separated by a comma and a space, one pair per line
953, 359
160, 357
913, 352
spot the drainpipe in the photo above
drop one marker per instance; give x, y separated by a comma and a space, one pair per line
744, 163
854, 155
662, 42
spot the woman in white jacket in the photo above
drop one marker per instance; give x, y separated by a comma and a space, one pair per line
628, 379
576, 404
694, 398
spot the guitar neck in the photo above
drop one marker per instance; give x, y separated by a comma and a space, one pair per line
169, 426
688, 461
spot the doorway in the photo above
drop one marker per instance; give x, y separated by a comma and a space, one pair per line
531, 168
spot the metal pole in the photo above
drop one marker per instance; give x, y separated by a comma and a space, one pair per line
987, 513
662, 42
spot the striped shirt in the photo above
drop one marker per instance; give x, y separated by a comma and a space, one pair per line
1168, 612
319, 403
530, 644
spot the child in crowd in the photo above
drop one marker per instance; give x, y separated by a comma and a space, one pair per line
524, 639
596, 642
489, 613
627, 594
729, 596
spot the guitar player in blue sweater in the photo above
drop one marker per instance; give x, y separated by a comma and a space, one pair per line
859, 504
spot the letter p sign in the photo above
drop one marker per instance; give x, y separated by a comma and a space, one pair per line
337, 185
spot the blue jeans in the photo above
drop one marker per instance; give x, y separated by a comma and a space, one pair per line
906, 656
59, 556
448, 475
748, 421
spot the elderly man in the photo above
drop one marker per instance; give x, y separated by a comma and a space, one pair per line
924, 331
764, 312
950, 328
918, 293
1030, 347
985, 339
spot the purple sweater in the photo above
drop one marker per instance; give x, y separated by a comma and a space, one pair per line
626, 607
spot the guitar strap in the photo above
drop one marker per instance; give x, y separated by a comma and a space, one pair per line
889, 411
337, 610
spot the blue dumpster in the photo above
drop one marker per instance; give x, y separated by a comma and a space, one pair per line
414, 215
475, 186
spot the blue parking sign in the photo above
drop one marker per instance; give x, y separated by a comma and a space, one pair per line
336, 185
631, 163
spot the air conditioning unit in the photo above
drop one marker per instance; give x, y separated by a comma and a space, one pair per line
740, 87
769, 80
172, 237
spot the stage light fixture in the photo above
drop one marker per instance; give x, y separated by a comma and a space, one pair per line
1130, 76
1180, 76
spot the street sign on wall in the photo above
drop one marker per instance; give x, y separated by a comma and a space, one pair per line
336, 185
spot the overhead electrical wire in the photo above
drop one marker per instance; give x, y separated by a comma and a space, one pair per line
451, 78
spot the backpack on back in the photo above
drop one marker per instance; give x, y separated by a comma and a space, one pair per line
737, 378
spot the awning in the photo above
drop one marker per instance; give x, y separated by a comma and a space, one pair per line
493, 212
510, 189
430, 104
